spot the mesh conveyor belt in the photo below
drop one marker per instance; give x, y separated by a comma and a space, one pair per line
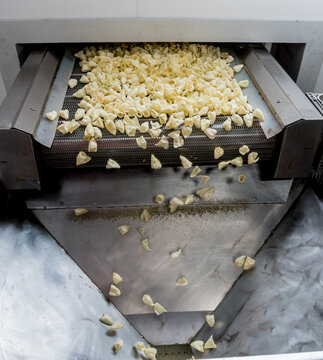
126, 152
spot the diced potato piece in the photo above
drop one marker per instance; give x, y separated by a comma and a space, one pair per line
248, 120
88, 132
72, 126
189, 199
227, 124
114, 291
144, 127
141, 231
253, 158
176, 254
163, 142
198, 345
241, 178
93, 146
237, 119
186, 131
155, 163
120, 126
116, 278
244, 83
212, 117
258, 114
147, 300
79, 93
181, 282
64, 114
97, 133
63, 127
79, 114
205, 178
205, 123
141, 142
223, 164
116, 325
185, 162
218, 152
150, 353
239, 262
238, 161
111, 127
243, 150
160, 198
206, 193
145, 244
145, 215
238, 68
51, 115
80, 211
154, 133
84, 79
195, 171
210, 320
124, 229
162, 118
139, 345
118, 345
210, 133
72, 83
249, 263
106, 319
210, 344
112, 164
159, 309
189, 122
82, 158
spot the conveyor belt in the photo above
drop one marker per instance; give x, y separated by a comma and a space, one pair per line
126, 152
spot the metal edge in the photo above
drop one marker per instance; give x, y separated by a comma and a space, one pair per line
46, 130
29, 116
314, 355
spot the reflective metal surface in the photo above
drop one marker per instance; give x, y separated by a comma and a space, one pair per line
49, 308
276, 307
138, 187
211, 237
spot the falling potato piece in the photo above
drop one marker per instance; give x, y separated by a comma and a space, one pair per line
114, 291
64, 114
80, 211
198, 345
93, 145
241, 178
244, 83
82, 158
79, 93
145, 244
145, 215
141, 142
226, 125
189, 199
144, 127
243, 150
155, 163
186, 131
195, 171
238, 161
150, 353
237, 68
240, 261
118, 345
116, 278
205, 123
210, 320
130, 130
210, 344
124, 229
88, 132
223, 164
141, 231
253, 158
248, 120
181, 282
175, 254
173, 208
210, 133
139, 345
147, 300
205, 178
163, 142
185, 162
218, 152
106, 319
258, 114
159, 309
116, 325
52, 115
211, 116
237, 119
206, 193
112, 164
249, 263
160, 198
72, 83
111, 127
